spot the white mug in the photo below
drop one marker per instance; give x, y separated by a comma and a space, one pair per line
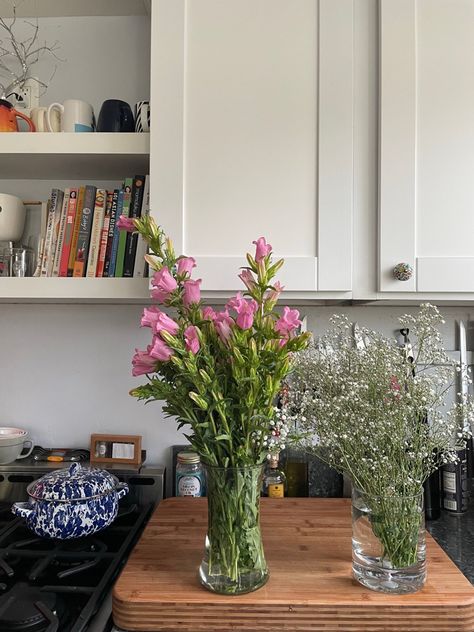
76, 116
38, 116
142, 116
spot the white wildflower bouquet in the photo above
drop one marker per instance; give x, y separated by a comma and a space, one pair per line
379, 414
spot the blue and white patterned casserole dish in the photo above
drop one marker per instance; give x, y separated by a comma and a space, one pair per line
71, 503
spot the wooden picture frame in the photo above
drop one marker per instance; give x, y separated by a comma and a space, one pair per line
126, 448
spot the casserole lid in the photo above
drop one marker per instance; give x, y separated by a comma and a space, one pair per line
73, 483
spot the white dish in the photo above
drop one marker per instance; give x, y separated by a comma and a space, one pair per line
12, 442
10, 433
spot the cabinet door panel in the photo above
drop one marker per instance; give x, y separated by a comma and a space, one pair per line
252, 135
427, 144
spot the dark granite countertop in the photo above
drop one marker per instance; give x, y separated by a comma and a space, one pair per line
455, 534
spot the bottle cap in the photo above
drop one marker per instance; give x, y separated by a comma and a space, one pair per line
188, 457
274, 459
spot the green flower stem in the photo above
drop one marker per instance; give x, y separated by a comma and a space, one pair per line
234, 540
396, 523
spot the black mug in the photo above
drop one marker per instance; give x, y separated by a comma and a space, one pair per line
115, 116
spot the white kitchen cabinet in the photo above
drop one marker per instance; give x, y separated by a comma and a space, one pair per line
252, 134
427, 145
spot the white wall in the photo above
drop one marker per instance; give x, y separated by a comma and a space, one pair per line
66, 369
105, 58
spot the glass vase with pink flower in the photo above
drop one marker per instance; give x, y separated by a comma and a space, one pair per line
218, 372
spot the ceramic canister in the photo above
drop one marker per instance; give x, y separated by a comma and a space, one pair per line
12, 217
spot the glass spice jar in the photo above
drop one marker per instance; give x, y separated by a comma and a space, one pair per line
189, 475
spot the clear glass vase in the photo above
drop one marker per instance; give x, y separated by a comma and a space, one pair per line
234, 561
388, 542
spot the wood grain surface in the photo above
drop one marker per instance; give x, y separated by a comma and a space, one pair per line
308, 550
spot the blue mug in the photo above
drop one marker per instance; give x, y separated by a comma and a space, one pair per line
115, 116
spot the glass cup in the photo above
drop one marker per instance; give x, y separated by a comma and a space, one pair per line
388, 542
16, 262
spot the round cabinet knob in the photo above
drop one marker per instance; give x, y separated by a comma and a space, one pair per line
403, 271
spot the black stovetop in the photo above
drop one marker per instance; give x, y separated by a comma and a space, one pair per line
57, 585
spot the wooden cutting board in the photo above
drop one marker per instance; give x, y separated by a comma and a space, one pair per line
308, 550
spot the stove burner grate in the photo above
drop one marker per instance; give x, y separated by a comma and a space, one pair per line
29, 609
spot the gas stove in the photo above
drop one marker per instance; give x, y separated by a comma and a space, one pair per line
65, 586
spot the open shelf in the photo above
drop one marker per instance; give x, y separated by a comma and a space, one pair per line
62, 155
73, 290
73, 8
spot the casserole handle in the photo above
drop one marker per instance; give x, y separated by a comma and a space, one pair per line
22, 509
122, 490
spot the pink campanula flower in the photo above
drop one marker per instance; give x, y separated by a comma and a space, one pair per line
246, 313
126, 223
247, 278
273, 295
142, 362
163, 283
165, 323
192, 292
191, 339
263, 249
185, 265
288, 321
208, 313
223, 324
150, 316
160, 350
235, 302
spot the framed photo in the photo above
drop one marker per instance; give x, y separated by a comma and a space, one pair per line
108, 448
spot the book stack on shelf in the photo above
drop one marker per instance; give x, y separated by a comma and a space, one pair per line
79, 236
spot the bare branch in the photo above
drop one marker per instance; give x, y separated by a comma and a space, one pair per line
24, 53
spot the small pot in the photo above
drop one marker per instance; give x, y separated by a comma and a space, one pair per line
71, 503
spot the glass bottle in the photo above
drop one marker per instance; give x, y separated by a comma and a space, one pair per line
274, 480
295, 465
189, 475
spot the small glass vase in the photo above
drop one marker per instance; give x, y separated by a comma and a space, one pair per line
388, 542
234, 561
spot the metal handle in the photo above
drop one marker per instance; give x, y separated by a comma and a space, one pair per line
122, 490
30, 450
403, 271
22, 509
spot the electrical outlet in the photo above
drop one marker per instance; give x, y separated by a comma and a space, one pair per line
28, 96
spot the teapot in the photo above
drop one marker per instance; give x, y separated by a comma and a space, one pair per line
8, 118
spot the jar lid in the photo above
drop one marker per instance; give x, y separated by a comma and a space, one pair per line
73, 483
188, 457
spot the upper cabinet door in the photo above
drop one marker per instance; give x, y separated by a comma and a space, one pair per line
427, 144
252, 125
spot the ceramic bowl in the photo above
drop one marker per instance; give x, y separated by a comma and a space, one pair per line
12, 442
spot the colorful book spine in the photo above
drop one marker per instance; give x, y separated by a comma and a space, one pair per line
110, 237
127, 197
141, 266
75, 232
44, 222
49, 232
104, 236
57, 223
115, 240
68, 230
132, 238
96, 232
61, 233
82, 250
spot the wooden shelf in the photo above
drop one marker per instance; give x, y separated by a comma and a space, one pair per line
74, 8
65, 155
70, 290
